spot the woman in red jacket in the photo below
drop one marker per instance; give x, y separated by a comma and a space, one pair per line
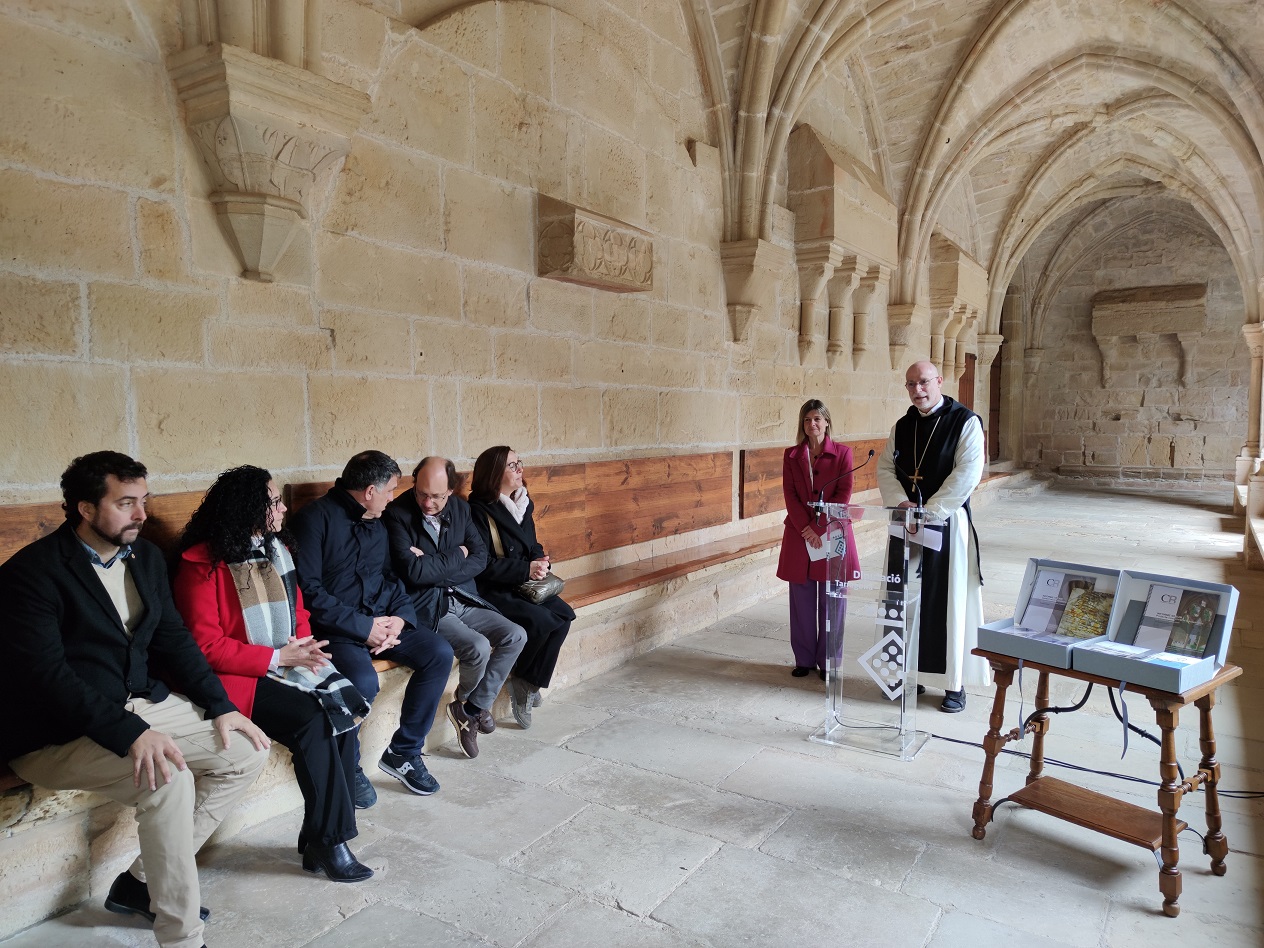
816, 463
235, 585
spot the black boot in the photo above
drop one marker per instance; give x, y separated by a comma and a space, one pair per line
129, 896
337, 862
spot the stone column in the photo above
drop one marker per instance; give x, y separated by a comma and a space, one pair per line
1247, 466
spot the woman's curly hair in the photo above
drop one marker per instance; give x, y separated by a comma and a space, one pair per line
233, 511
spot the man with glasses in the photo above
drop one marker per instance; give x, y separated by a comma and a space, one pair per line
360, 606
437, 551
934, 460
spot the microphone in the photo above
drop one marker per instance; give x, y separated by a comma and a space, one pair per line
820, 497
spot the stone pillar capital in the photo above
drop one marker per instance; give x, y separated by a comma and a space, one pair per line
989, 346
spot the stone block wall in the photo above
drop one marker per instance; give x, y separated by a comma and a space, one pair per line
406, 314
1138, 420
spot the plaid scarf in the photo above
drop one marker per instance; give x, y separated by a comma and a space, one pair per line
267, 587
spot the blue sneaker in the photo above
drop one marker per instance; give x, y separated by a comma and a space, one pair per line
365, 795
409, 771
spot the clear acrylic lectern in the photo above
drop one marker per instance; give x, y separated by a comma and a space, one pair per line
872, 622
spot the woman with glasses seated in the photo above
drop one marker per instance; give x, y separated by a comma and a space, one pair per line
236, 587
503, 515
816, 467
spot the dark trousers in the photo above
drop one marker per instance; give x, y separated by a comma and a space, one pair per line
547, 625
430, 658
324, 765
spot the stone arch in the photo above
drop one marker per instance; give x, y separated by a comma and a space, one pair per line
1225, 68
1082, 239
1023, 226
993, 130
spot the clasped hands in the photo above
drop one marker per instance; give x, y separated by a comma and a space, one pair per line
303, 653
384, 634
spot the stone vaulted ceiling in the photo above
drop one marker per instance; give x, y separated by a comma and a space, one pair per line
988, 120
1011, 114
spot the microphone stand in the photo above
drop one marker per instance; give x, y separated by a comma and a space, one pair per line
819, 503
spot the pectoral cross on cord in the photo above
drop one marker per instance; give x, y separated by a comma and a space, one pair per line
917, 462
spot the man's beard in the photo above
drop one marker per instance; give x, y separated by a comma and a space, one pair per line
119, 539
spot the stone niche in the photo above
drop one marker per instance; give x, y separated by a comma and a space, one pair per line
1144, 313
846, 246
579, 246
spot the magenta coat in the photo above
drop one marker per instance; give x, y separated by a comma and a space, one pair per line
793, 565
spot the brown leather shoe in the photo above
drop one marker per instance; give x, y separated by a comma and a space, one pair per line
486, 723
466, 728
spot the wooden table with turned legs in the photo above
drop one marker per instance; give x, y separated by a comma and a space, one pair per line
1096, 811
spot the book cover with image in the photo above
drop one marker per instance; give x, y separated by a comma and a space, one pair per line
1086, 614
1048, 599
1195, 618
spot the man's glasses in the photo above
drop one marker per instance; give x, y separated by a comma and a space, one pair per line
920, 383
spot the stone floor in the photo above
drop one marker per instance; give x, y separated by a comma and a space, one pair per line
676, 802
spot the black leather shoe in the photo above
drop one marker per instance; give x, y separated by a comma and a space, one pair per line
801, 671
337, 862
821, 672
921, 689
129, 896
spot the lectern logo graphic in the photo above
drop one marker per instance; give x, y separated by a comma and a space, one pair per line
884, 662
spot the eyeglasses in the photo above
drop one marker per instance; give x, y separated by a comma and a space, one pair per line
920, 383
515, 466
276, 502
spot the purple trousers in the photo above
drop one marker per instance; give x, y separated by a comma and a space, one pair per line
809, 609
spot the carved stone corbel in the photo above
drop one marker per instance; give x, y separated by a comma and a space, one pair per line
271, 135
900, 318
752, 269
842, 289
815, 262
579, 246
989, 348
862, 307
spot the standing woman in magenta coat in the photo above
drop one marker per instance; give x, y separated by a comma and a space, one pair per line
817, 462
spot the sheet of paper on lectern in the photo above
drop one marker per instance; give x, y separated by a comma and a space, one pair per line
930, 539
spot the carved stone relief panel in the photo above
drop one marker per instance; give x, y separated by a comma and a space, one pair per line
580, 246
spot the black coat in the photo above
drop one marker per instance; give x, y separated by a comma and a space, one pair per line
496, 583
442, 567
344, 569
69, 663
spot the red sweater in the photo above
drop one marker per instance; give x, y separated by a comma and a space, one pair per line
207, 598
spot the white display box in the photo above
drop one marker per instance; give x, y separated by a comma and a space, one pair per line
1052, 650
1156, 667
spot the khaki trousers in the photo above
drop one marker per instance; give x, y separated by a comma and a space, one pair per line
173, 821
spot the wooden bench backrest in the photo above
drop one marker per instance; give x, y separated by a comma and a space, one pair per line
761, 475
21, 524
601, 505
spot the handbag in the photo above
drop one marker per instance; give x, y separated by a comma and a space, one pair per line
533, 590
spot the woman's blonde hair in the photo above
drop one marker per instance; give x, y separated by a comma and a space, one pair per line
814, 404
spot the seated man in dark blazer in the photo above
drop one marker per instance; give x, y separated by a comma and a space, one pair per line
90, 617
437, 552
360, 606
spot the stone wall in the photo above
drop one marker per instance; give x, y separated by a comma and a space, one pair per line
1162, 407
406, 314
